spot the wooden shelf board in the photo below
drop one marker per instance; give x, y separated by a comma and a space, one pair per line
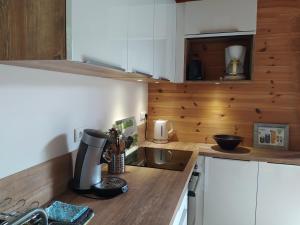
80, 68
219, 82
182, 1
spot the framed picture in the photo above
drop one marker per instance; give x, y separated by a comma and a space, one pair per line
273, 136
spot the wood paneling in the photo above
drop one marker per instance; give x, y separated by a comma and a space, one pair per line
199, 111
32, 29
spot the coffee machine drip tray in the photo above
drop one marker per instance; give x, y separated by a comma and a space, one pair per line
159, 158
110, 186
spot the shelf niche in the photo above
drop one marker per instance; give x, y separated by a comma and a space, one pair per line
211, 53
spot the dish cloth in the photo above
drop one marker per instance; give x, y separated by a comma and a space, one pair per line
63, 212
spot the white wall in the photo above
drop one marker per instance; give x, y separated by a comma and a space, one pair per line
40, 109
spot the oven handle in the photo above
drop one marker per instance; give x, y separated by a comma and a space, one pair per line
192, 193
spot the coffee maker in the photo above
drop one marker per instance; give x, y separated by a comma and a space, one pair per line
92, 153
235, 59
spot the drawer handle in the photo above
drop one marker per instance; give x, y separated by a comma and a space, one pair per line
142, 73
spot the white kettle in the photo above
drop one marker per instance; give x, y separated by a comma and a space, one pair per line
161, 131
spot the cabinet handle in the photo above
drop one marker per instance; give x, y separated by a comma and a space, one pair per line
162, 78
277, 163
142, 73
192, 193
96, 62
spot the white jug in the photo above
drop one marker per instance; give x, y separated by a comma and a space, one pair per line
161, 132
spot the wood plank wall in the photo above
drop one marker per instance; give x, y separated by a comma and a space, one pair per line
199, 111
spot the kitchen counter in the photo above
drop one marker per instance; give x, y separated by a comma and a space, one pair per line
153, 197
241, 153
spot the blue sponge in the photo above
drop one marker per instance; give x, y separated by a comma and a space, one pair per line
63, 212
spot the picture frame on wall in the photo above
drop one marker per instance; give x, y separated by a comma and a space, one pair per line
271, 136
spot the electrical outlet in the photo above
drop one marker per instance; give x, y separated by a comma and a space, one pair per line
78, 133
143, 116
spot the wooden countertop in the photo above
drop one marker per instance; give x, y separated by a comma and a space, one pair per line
154, 194
152, 198
241, 153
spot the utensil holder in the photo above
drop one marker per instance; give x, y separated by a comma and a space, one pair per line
117, 164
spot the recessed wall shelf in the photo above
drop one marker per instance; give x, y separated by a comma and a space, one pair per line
206, 56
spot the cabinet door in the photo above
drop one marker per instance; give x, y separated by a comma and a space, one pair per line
32, 30
181, 214
212, 16
278, 200
97, 31
230, 192
164, 39
140, 36
180, 44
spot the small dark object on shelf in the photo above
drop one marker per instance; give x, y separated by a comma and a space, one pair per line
227, 142
194, 70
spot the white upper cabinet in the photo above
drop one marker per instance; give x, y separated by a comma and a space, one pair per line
97, 32
230, 192
278, 200
164, 39
129, 35
141, 36
218, 16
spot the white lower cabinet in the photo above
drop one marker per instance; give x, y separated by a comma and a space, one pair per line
181, 214
230, 192
250, 193
278, 199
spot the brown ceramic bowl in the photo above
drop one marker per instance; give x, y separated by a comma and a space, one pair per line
227, 142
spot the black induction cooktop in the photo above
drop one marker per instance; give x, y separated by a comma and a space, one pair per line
159, 158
